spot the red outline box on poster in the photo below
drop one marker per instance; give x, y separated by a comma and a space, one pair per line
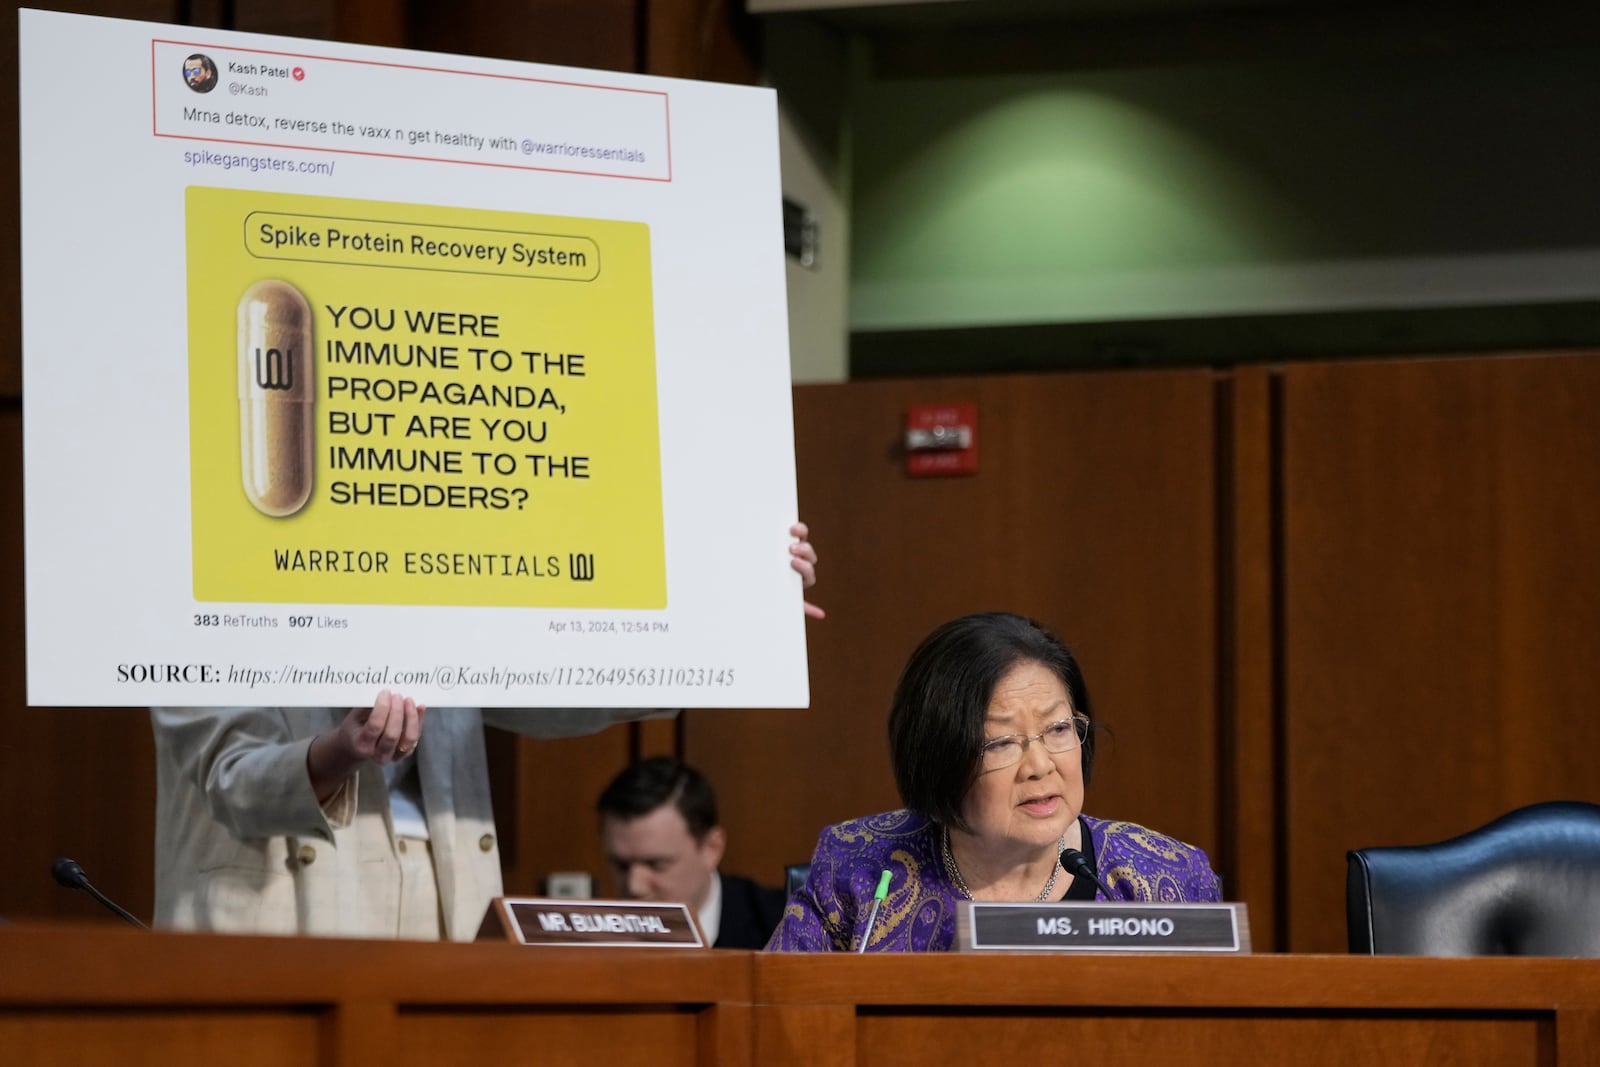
658, 95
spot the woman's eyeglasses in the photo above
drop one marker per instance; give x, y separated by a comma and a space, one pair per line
1064, 736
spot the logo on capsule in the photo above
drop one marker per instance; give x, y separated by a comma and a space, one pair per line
275, 368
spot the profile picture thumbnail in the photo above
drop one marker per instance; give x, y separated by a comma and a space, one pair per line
199, 73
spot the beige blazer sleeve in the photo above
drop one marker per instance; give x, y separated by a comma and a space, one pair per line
248, 767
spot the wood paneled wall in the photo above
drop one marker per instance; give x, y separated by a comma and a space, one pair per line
1441, 606
1322, 606
76, 782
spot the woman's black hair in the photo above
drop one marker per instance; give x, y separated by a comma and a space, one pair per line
936, 720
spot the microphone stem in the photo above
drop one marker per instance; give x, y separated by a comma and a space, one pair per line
872, 917
1079, 866
122, 912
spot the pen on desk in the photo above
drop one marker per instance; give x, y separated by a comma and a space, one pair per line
877, 902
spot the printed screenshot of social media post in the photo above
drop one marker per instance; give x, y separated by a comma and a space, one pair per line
458, 374
260, 99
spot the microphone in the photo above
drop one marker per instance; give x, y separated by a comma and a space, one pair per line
1077, 864
68, 873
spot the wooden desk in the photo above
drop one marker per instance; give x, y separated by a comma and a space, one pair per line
976, 1009
114, 995
108, 995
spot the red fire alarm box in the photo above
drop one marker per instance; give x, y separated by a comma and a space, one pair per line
941, 439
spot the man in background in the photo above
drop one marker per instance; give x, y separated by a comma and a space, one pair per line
664, 842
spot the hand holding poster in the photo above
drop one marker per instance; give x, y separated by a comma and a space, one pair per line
462, 377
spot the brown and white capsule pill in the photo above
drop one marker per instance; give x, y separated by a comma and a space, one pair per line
275, 397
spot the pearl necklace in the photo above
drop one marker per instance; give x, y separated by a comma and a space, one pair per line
954, 872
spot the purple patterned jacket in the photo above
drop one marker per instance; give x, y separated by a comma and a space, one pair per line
828, 913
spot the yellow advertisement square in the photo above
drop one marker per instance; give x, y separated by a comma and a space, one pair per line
411, 404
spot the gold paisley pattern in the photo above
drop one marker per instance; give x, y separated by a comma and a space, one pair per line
829, 913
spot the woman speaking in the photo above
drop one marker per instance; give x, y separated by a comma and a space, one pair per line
992, 738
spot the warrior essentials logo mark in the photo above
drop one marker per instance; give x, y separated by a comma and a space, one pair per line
581, 566
275, 368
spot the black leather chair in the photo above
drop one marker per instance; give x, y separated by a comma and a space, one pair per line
794, 876
1527, 884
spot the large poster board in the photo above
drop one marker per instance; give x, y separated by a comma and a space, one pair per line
350, 368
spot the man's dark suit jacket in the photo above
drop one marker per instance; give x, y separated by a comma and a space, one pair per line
750, 912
